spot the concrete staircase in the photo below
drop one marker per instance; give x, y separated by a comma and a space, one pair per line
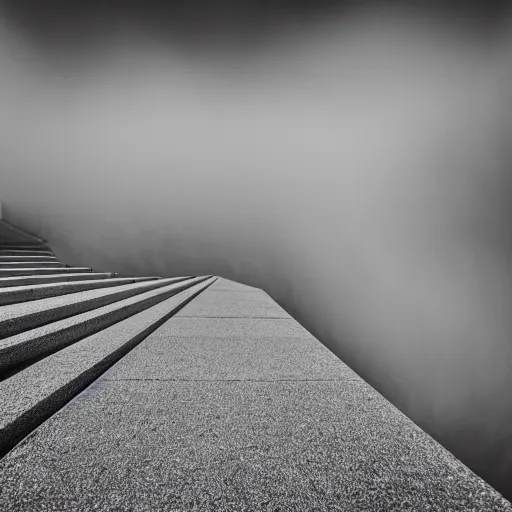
61, 327
124, 393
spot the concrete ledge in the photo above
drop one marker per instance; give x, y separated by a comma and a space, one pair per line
17, 294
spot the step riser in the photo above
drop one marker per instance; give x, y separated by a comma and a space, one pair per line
25, 294
26, 422
58, 278
41, 271
12, 326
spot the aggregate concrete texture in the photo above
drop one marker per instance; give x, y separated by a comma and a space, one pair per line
238, 414
233, 304
29, 395
49, 337
15, 294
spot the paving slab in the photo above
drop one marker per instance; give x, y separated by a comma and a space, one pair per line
183, 326
223, 284
232, 358
232, 304
11, 272
289, 446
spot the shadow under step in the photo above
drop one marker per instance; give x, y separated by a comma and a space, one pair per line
34, 394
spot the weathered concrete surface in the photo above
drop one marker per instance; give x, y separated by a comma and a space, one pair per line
187, 422
39, 390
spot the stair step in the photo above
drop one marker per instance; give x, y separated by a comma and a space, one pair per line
33, 394
25, 252
11, 272
15, 294
21, 258
17, 318
30, 264
56, 278
35, 343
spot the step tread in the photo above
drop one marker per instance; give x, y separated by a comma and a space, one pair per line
16, 294
31, 343
6, 272
52, 278
46, 385
16, 318
30, 264
21, 310
20, 250
22, 258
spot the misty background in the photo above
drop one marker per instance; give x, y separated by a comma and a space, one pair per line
350, 158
